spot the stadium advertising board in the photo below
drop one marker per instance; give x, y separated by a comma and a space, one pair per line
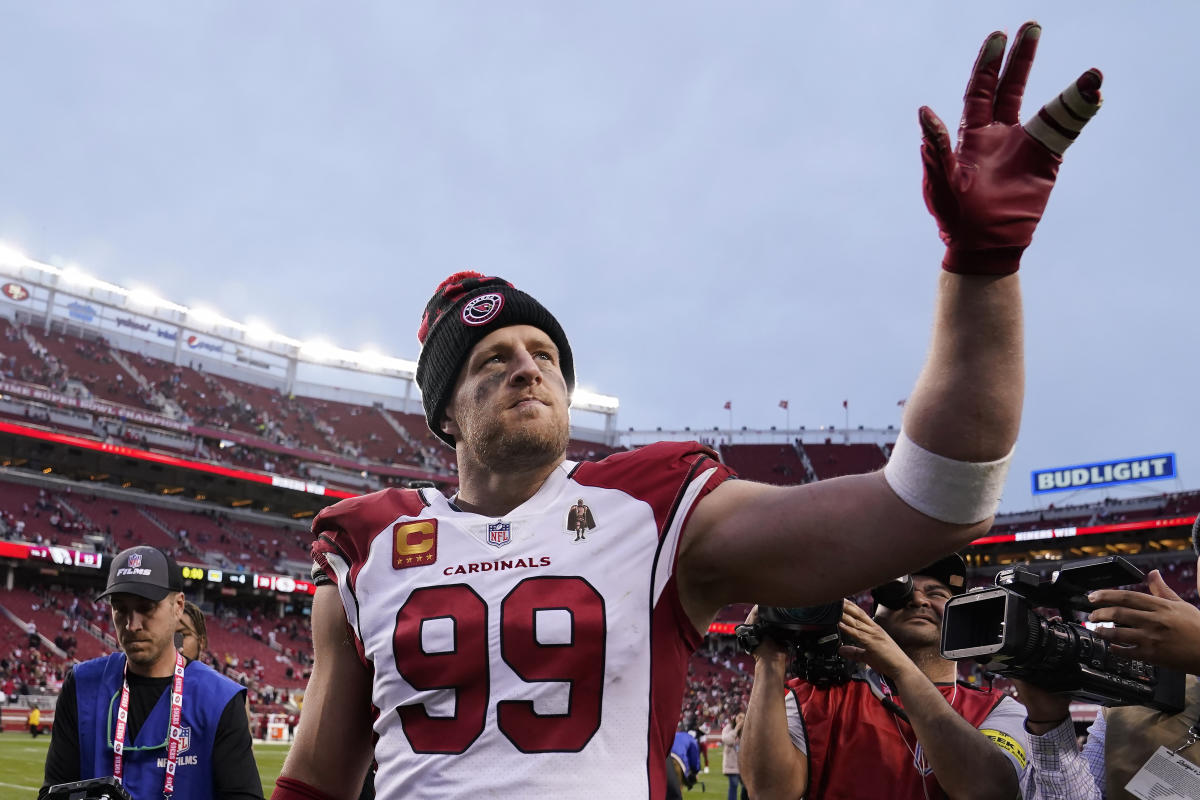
104, 407
283, 584
172, 461
1104, 473
1087, 530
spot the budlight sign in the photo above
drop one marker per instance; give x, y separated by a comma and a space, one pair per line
1105, 473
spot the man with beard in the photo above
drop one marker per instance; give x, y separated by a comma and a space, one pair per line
902, 727
474, 650
160, 724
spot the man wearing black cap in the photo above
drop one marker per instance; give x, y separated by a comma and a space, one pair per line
475, 647
163, 725
902, 727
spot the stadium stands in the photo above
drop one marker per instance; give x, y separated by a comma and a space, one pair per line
243, 417
43, 610
834, 460
779, 464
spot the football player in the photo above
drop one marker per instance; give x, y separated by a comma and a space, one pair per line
475, 648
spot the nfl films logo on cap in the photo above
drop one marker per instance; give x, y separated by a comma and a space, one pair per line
135, 560
483, 309
499, 533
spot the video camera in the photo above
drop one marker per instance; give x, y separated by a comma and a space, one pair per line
998, 627
811, 633
106, 788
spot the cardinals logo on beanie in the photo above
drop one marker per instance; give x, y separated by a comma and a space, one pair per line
464, 309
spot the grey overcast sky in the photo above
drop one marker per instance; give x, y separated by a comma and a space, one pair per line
721, 201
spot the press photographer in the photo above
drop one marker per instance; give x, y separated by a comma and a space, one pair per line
1131, 749
145, 722
898, 725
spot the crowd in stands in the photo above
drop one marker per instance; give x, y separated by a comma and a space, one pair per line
718, 685
276, 430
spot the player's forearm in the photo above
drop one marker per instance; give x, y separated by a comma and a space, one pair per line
967, 402
769, 763
332, 750
965, 763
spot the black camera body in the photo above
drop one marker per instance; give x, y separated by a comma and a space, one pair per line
106, 788
999, 627
811, 633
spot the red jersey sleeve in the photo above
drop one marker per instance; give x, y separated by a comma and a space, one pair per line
346, 529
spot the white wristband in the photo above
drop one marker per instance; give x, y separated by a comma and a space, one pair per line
958, 492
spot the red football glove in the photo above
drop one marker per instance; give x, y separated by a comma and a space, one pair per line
988, 193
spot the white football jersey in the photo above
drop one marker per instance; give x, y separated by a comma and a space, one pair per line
543, 653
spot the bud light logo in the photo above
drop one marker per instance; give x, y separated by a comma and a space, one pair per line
135, 560
1106, 473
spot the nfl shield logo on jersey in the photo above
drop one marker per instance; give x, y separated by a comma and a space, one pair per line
185, 739
499, 533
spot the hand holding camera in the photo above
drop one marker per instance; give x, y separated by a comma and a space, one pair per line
869, 643
1001, 628
1159, 627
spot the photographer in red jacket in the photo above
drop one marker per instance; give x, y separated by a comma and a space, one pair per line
902, 727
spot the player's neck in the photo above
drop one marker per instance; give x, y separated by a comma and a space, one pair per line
493, 494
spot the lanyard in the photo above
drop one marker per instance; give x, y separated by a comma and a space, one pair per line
1193, 736
176, 733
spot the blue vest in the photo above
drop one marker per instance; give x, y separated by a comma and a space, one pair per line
206, 693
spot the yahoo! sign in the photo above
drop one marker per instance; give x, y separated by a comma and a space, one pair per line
1105, 473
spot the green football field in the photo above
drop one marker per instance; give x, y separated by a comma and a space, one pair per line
22, 758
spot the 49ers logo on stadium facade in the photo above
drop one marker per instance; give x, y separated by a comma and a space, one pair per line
483, 309
15, 291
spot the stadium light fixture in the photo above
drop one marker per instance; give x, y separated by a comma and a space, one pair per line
371, 359
11, 255
258, 331
76, 276
151, 299
587, 400
206, 316
318, 350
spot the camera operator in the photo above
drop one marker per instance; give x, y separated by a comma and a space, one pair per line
146, 717
1160, 628
902, 726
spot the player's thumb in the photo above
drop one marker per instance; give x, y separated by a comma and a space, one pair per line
1158, 587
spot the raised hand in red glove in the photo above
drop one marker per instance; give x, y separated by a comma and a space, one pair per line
989, 192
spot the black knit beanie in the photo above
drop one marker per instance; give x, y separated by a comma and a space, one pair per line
464, 309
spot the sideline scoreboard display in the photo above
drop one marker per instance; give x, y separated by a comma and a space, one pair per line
1105, 473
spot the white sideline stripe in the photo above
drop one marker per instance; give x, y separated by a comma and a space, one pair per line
19, 786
